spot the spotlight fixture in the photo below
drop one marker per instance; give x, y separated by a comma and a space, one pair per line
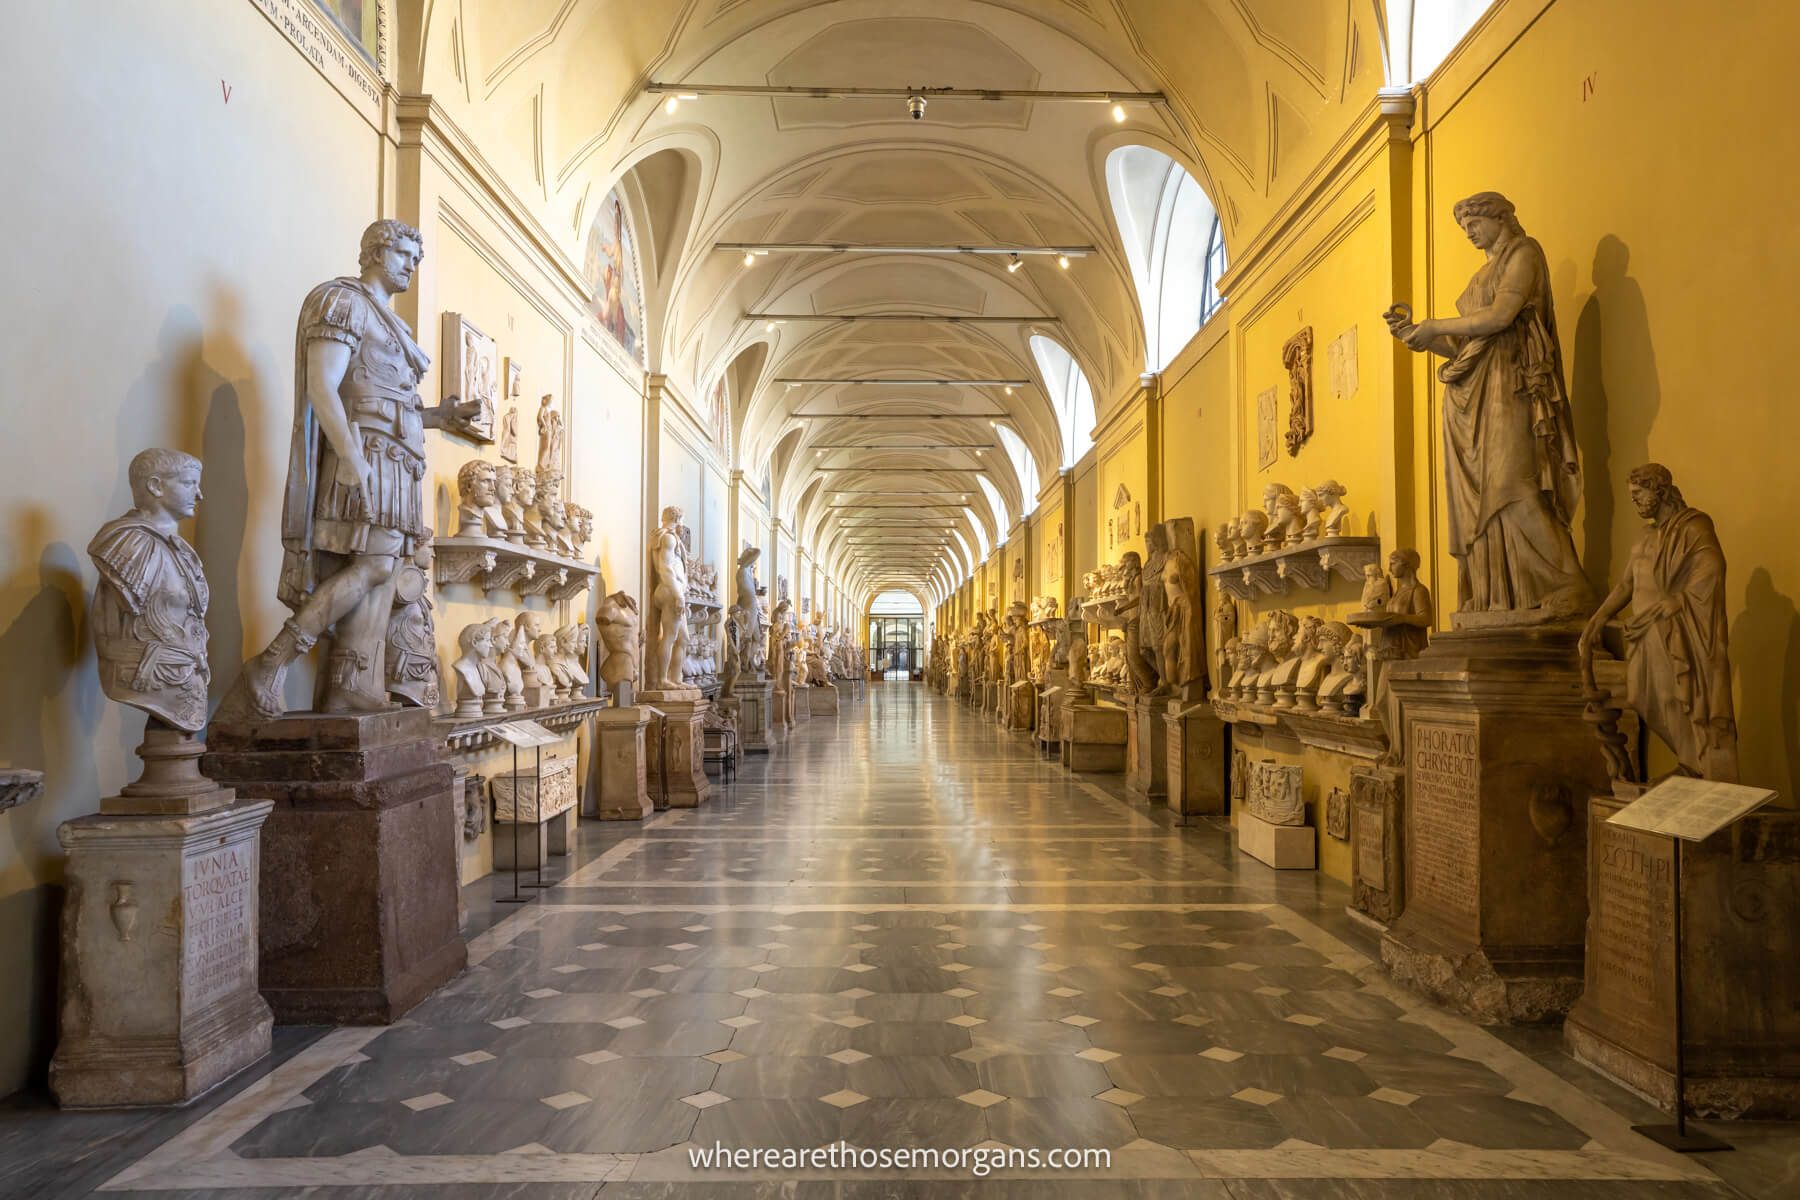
915, 104
749, 258
1014, 262
1062, 260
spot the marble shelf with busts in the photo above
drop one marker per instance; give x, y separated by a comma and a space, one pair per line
495, 564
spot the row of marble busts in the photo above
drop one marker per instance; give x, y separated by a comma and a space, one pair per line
1286, 519
519, 505
512, 664
1106, 663
1108, 582
1297, 664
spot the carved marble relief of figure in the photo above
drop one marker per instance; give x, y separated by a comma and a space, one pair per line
1296, 357
1677, 665
478, 512
1184, 638
149, 613
1511, 476
412, 669
550, 435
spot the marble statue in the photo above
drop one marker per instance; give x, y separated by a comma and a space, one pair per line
1225, 539
1309, 513
1286, 526
1409, 603
353, 508
509, 435
1283, 630
570, 657
1333, 512
478, 512
1153, 607
475, 671
1184, 635
525, 504
581, 526
521, 650
1141, 674
736, 630
1290, 671
1398, 614
618, 624
550, 435
507, 481
552, 520
750, 656
510, 683
1377, 589
1325, 644
1342, 691
149, 614
412, 667
1511, 474
1252, 529
551, 667
1677, 666
668, 605
1225, 619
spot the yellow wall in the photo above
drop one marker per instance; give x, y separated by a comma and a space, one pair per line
1050, 533
1122, 463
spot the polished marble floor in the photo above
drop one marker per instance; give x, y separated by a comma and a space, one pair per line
901, 929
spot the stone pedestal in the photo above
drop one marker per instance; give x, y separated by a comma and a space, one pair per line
1499, 765
1284, 847
1740, 899
1021, 706
1195, 739
540, 802
1147, 750
685, 738
1097, 738
824, 699
621, 765
528, 846
755, 698
1049, 709
159, 944
800, 703
359, 880
1377, 842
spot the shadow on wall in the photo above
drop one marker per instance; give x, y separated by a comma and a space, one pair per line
1613, 361
50, 696
1765, 648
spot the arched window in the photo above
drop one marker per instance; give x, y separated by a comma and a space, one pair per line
1421, 34
1023, 463
1174, 243
981, 541
999, 503
1070, 395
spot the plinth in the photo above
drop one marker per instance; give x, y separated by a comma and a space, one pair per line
1021, 706
1195, 741
1097, 737
684, 741
756, 701
1377, 842
359, 881
621, 765
1146, 749
159, 996
1498, 760
823, 699
1740, 933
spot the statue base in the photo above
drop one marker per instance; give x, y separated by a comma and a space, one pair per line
1284, 847
159, 988
1740, 911
1498, 756
1195, 740
756, 701
823, 699
359, 886
1098, 735
1147, 750
1377, 842
683, 739
621, 766
1021, 706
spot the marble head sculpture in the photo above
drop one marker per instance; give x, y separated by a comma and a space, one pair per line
149, 616
353, 508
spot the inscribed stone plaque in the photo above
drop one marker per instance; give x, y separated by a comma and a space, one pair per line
1371, 840
1630, 943
218, 955
1268, 439
1443, 818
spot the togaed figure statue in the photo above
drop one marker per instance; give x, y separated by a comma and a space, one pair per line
353, 508
668, 606
1510, 472
1677, 669
149, 615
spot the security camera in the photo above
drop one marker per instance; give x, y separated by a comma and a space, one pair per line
916, 106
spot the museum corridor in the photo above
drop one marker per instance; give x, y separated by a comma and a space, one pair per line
903, 930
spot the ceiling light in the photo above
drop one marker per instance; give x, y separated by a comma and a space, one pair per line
769, 327
750, 258
978, 454
1118, 112
671, 104
1062, 260
1013, 263
1009, 391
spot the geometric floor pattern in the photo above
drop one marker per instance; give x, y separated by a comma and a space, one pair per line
903, 929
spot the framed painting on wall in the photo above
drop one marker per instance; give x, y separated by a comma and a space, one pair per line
471, 372
361, 22
610, 267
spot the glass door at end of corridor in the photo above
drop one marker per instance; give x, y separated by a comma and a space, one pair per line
894, 646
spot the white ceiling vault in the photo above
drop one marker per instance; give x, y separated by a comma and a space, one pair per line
554, 92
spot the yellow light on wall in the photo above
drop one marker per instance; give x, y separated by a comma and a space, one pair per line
671, 104
1118, 111
750, 258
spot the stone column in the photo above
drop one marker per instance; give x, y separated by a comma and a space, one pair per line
1499, 766
685, 736
621, 765
159, 980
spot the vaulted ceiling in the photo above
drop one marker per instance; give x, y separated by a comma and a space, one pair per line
554, 91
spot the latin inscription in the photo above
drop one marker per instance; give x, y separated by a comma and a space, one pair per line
1443, 821
218, 945
1371, 842
305, 27
1632, 924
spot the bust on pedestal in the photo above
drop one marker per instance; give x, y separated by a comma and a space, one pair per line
159, 995
360, 898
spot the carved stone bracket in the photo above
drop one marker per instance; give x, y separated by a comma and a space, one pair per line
495, 565
1277, 572
1359, 737
473, 734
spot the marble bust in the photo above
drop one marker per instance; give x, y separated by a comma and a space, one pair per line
478, 512
149, 616
618, 624
1677, 665
506, 496
474, 671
